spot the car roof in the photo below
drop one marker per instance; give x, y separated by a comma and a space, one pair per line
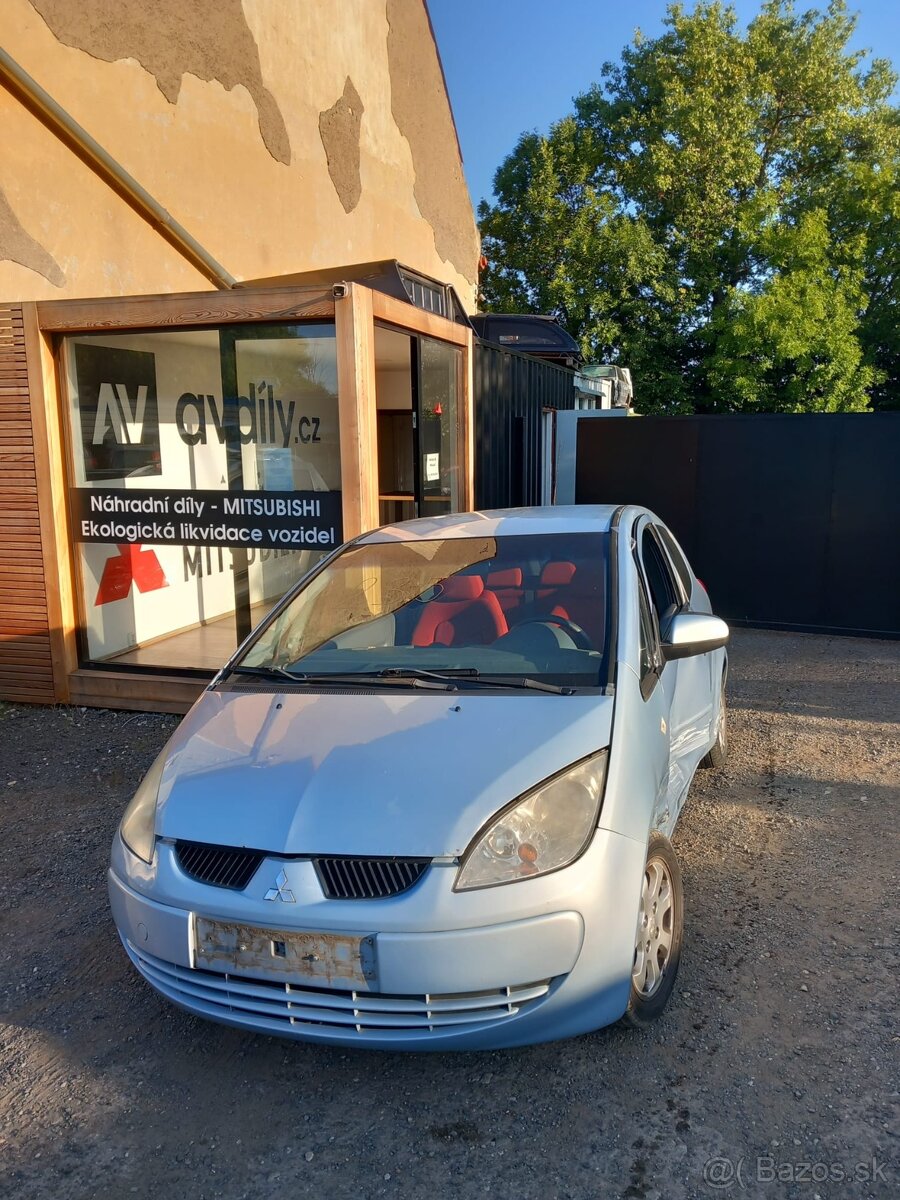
505, 522
492, 316
482, 323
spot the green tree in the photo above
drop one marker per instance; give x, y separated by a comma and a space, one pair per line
875, 208
718, 214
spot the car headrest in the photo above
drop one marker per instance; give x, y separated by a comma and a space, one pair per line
512, 577
462, 587
557, 574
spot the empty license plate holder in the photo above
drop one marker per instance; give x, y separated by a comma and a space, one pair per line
332, 959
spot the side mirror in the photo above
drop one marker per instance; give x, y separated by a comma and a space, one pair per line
690, 633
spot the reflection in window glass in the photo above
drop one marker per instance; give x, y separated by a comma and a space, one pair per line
295, 442
508, 606
440, 450
678, 559
172, 419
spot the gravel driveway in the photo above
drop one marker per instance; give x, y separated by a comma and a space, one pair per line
774, 1072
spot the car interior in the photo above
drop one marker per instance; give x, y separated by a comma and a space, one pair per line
481, 607
523, 612
524, 605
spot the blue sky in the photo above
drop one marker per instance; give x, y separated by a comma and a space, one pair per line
513, 65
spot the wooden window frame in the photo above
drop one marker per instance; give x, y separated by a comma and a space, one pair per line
354, 309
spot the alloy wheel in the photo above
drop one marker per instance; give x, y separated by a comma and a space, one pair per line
656, 924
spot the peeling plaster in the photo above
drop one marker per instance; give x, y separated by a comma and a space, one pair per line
209, 39
18, 246
421, 110
339, 128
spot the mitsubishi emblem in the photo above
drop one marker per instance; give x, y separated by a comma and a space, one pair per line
281, 891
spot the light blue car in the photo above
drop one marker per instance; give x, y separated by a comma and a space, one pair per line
427, 805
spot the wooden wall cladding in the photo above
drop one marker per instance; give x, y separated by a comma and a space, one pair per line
26, 663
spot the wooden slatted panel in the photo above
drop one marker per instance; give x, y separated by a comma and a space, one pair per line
26, 668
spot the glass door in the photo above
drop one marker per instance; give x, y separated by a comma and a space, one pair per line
418, 385
436, 387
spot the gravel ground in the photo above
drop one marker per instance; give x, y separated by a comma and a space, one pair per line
773, 1073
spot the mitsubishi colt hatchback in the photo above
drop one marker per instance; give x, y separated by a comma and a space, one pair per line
428, 803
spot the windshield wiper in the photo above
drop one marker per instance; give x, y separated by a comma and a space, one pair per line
389, 678
471, 675
264, 672
474, 676
524, 682
448, 676
441, 681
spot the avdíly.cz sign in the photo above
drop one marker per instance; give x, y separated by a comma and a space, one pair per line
171, 517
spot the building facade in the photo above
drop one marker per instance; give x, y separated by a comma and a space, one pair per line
281, 137
199, 393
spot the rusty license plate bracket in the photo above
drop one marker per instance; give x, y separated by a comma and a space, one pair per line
292, 955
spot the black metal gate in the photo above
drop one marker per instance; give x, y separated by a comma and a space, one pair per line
511, 391
791, 521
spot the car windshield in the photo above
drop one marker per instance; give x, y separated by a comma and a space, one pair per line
505, 608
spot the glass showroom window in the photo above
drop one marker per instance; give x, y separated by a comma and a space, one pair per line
205, 479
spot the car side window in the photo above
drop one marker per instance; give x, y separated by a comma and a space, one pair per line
649, 637
664, 594
677, 559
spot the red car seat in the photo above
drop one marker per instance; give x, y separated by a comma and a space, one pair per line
575, 595
463, 613
552, 587
507, 587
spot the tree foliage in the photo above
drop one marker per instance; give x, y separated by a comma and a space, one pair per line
720, 214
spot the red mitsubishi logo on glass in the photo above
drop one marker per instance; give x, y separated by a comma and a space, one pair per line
132, 564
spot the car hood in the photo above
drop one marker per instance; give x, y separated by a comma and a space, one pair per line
386, 773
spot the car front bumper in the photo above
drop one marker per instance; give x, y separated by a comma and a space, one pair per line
526, 962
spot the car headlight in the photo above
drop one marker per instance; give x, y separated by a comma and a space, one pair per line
544, 830
138, 828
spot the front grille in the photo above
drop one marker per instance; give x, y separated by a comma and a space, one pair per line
221, 866
287, 1007
341, 878
368, 878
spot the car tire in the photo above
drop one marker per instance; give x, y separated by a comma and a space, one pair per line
717, 755
660, 927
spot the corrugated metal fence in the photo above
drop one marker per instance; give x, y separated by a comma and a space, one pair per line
511, 391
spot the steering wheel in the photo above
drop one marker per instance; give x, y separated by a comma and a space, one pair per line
575, 632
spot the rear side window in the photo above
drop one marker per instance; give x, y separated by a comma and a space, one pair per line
663, 591
649, 635
679, 562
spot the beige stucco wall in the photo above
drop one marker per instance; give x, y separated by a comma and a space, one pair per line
282, 136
